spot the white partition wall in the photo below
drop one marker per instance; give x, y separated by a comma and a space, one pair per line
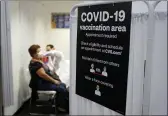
158, 94
155, 82
143, 31
1, 99
6, 56
79, 105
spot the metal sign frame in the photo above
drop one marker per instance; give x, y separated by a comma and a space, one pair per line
1, 89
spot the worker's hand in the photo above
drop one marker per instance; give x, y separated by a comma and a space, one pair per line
57, 82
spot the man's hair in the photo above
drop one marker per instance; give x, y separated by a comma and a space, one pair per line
50, 45
33, 50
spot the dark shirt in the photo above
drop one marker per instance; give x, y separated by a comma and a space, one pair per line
34, 66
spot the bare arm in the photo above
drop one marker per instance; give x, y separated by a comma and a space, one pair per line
41, 73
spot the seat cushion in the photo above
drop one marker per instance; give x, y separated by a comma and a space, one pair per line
46, 92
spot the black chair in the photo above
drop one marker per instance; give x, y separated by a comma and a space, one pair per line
41, 101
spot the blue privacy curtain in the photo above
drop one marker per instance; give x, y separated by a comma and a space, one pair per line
6, 57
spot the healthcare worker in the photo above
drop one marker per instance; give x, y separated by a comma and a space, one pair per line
54, 57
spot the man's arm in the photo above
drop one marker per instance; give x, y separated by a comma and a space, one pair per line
41, 73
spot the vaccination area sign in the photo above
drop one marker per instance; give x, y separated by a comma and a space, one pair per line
103, 42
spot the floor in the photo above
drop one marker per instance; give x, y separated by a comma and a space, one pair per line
24, 111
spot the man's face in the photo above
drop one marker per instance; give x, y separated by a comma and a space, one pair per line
38, 53
38, 50
48, 48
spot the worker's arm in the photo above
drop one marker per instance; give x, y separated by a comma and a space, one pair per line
49, 53
41, 73
58, 55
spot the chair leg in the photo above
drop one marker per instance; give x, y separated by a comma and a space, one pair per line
30, 106
32, 103
55, 103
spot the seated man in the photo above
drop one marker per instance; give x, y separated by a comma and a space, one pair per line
43, 79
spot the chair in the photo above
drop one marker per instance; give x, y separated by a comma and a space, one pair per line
40, 100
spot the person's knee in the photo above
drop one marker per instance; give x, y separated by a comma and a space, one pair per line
63, 84
61, 88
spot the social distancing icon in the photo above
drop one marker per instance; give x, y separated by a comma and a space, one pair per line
104, 73
92, 70
97, 91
